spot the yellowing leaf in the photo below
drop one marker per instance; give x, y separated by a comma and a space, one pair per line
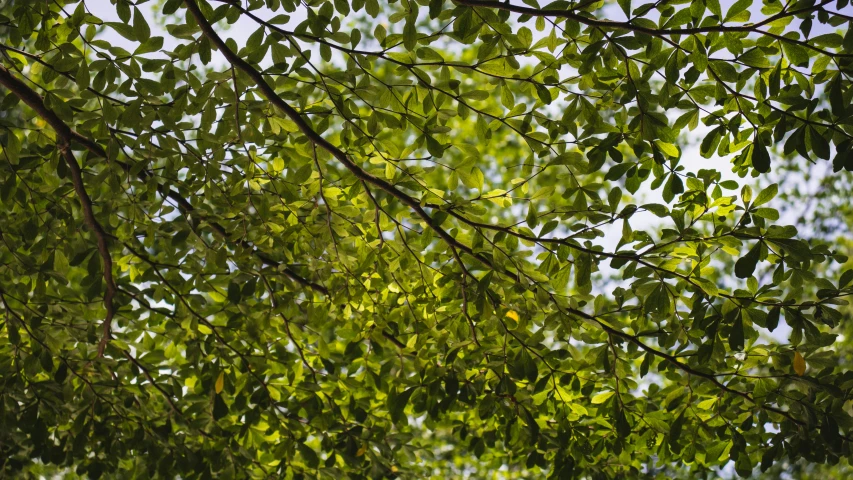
602, 397
285, 124
278, 164
220, 382
579, 409
275, 394
707, 286
669, 149
799, 364
360, 451
513, 315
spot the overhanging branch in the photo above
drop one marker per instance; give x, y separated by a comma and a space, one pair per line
270, 94
67, 135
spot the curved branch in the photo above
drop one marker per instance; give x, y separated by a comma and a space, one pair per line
273, 97
317, 139
66, 135
69, 135
101, 237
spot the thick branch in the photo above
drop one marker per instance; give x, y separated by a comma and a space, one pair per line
66, 135
101, 239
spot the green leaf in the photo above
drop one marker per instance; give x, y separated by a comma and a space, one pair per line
740, 6
766, 195
736, 334
768, 458
675, 429
532, 426
583, 269
602, 397
309, 456
669, 149
472, 177
544, 94
743, 466
745, 265
220, 409
475, 95
141, 30
836, 98
760, 156
707, 286
410, 35
153, 44
397, 404
795, 53
820, 145
13, 333
82, 77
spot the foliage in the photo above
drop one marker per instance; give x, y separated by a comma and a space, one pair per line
410, 239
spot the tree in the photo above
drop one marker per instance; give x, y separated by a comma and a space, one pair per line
426, 253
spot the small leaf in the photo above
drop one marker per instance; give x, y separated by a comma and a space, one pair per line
707, 286
768, 458
846, 278
544, 94
736, 334
773, 318
82, 77
799, 364
153, 44
220, 409
140, 26
796, 54
14, 334
745, 266
675, 429
669, 149
532, 426
220, 382
820, 146
766, 195
760, 157
602, 397
234, 293
397, 403
836, 99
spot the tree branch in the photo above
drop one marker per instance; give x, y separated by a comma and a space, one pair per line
66, 135
271, 96
69, 135
101, 238
413, 203
658, 32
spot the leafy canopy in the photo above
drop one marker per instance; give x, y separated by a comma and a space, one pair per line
417, 238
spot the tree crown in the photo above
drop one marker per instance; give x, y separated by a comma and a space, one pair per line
419, 238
